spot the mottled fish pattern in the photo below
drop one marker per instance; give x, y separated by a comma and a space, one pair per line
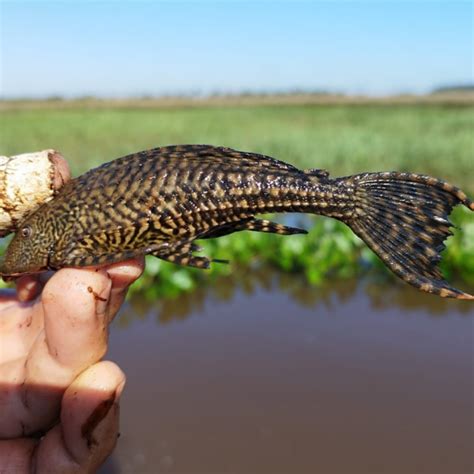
160, 201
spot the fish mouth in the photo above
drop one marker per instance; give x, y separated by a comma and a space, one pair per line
3, 273
9, 275
13, 276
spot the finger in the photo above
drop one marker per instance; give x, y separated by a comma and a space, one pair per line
8, 297
89, 425
20, 324
78, 304
62, 173
16, 455
122, 274
29, 287
90, 411
73, 303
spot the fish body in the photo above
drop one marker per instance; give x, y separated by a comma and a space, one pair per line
160, 201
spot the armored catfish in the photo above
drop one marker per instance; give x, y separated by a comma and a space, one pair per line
160, 201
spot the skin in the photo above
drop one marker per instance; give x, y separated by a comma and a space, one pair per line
59, 402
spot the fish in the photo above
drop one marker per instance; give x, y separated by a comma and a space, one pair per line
160, 201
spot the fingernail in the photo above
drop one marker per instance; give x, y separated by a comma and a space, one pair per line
28, 288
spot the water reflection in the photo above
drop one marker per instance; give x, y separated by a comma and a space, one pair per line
261, 373
381, 294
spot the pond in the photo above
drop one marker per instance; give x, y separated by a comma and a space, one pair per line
262, 373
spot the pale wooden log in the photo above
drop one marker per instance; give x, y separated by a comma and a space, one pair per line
27, 181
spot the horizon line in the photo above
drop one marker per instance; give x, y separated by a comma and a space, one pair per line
218, 94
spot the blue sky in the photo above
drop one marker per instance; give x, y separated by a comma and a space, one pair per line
134, 48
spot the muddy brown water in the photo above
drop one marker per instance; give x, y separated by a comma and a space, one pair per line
263, 374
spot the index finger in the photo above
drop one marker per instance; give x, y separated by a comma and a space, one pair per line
78, 305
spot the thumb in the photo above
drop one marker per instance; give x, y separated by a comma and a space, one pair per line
89, 427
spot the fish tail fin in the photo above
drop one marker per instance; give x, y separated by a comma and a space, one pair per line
404, 219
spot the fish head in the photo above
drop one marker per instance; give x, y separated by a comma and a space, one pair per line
30, 249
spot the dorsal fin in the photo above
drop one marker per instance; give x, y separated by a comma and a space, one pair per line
212, 154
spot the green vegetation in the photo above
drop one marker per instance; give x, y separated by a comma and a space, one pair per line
329, 250
429, 139
344, 139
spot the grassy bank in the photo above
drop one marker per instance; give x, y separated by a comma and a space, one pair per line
344, 139
430, 139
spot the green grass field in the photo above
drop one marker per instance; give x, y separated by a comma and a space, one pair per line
344, 139
429, 139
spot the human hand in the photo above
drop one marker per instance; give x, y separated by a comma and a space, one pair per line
58, 401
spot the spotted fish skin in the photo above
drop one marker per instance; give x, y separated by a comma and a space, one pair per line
160, 201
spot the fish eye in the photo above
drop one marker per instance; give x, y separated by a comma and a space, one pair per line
26, 232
